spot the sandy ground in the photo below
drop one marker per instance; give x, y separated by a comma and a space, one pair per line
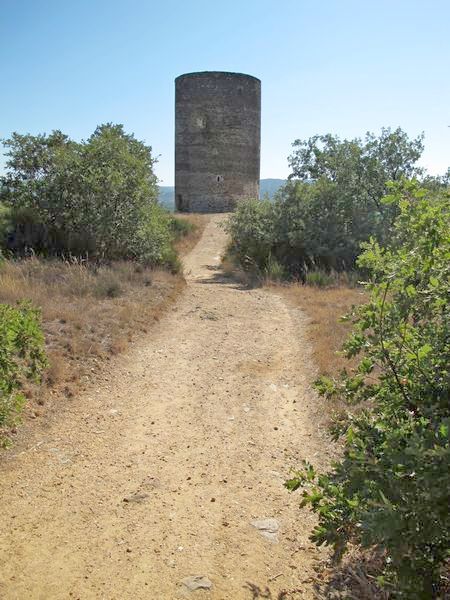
156, 473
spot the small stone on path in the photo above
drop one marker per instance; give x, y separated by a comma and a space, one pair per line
196, 582
136, 498
268, 528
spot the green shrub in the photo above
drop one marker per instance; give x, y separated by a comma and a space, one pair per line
95, 198
153, 242
251, 228
5, 224
391, 489
330, 205
326, 279
320, 279
22, 356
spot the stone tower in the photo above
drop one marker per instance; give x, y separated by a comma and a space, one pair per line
217, 140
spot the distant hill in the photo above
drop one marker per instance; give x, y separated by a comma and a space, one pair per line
167, 196
267, 187
270, 187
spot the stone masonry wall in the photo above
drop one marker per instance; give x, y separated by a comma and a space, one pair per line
217, 140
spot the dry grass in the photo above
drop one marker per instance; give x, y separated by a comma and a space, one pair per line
185, 243
89, 313
324, 307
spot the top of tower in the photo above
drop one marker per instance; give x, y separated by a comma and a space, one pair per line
217, 74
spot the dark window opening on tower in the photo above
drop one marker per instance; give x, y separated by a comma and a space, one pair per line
219, 178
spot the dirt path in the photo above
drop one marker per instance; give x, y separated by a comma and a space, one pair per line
157, 474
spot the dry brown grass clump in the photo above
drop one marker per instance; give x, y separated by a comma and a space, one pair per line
89, 312
326, 333
325, 307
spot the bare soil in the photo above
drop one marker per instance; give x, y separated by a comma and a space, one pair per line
156, 472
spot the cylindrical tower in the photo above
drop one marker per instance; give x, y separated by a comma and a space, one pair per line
217, 140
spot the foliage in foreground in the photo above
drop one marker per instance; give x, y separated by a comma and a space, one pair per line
391, 489
96, 198
22, 356
332, 204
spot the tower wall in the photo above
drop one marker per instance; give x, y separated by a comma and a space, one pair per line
217, 140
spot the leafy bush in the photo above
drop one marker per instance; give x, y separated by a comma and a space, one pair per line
154, 237
5, 223
22, 357
95, 198
330, 206
252, 231
391, 489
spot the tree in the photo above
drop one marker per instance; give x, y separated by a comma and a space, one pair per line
369, 163
331, 204
95, 197
391, 488
359, 170
118, 187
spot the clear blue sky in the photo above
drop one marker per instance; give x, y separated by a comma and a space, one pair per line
340, 66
